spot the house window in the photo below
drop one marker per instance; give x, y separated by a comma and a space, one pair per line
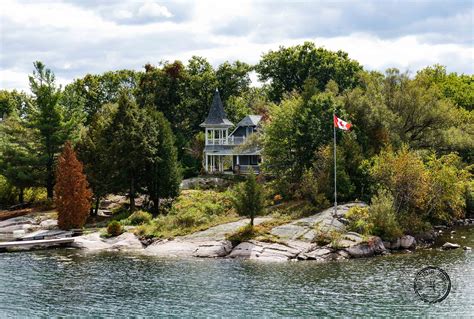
254, 160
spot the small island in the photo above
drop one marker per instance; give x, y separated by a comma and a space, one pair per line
109, 172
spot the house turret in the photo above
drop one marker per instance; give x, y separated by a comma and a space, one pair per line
217, 125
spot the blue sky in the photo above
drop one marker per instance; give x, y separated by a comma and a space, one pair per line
76, 37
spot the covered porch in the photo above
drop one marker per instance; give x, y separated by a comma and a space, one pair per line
231, 164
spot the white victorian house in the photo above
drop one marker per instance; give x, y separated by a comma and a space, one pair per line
221, 151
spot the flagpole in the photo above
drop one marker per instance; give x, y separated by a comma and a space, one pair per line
335, 182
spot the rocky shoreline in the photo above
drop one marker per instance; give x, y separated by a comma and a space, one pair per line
294, 240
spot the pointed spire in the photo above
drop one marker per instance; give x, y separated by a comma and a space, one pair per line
217, 115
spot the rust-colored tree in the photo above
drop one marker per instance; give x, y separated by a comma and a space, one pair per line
72, 193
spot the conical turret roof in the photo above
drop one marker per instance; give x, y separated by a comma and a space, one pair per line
217, 116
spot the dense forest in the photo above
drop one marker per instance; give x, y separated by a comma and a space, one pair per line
410, 151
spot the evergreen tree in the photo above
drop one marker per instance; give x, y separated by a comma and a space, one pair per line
46, 115
72, 192
92, 151
19, 154
249, 199
163, 177
129, 148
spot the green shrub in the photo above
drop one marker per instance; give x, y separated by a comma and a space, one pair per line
378, 219
8, 193
35, 194
324, 237
382, 216
139, 217
120, 213
114, 228
359, 220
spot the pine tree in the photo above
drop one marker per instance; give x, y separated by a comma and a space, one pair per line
47, 116
129, 149
73, 197
92, 151
19, 154
163, 176
249, 199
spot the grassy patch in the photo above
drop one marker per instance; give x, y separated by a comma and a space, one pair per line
293, 210
194, 210
259, 232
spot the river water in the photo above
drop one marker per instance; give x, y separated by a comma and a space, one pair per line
71, 283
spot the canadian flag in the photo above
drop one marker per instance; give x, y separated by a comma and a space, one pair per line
343, 125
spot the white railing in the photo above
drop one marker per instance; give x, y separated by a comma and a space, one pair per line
231, 140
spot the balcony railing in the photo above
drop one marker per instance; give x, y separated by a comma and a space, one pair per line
231, 140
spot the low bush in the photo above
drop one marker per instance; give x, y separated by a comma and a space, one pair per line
193, 210
120, 213
139, 218
324, 237
383, 218
359, 220
114, 228
379, 219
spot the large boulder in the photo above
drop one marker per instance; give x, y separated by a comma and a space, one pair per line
407, 242
373, 246
448, 245
49, 224
394, 244
92, 242
125, 242
214, 248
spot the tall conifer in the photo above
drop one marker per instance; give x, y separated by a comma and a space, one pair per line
73, 196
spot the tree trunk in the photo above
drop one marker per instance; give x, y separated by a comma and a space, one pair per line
21, 196
251, 219
97, 203
49, 179
132, 195
156, 205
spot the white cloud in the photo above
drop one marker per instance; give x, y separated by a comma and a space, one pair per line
153, 9
75, 40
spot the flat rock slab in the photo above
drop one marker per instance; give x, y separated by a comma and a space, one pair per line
220, 232
257, 250
190, 248
305, 229
47, 234
16, 221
